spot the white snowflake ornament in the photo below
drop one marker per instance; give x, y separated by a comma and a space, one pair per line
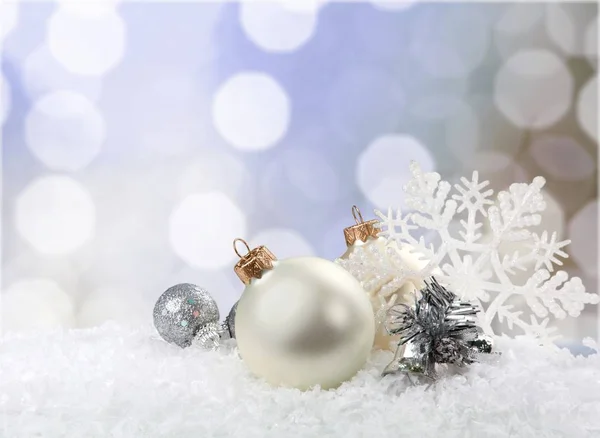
388, 274
472, 263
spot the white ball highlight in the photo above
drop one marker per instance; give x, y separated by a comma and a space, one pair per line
534, 89
64, 130
202, 229
55, 214
251, 111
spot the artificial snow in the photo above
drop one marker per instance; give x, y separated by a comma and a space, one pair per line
111, 382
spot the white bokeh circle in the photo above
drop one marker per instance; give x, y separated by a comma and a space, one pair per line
565, 26
563, 158
275, 27
300, 180
304, 172
383, 168
86, 45
533, 89
42, 73
363, 102
496, 132
452, 47
64, 130
583, 232
283, 242
134, 202
587, 108
55, 214
36, 304
489, 162
436, 105
202, 228
303, 5
251, 111
88, 8
591, 42
8, 18
392, 5
561, 28
519, 18
212, 171
120, 304
521, 25
463, 133
5, 99
21, 264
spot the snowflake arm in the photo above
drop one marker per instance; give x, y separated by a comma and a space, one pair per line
516, 210
427, 195
473, 267
546, 252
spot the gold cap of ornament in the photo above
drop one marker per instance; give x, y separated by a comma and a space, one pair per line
362, 230
253, 263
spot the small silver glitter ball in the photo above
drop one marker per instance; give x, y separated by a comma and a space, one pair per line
186, 313
228, 326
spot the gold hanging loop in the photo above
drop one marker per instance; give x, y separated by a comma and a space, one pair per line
253, 263
362, 230
235, 241
356, 212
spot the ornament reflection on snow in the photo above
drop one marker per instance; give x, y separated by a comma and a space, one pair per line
473, 265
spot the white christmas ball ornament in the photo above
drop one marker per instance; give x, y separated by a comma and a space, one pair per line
301, 322
389, 275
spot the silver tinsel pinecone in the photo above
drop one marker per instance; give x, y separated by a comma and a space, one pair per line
438, 329
186, 314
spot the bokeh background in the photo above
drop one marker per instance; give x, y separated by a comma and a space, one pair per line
139, 139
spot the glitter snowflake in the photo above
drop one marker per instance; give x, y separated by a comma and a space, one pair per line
473, 260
